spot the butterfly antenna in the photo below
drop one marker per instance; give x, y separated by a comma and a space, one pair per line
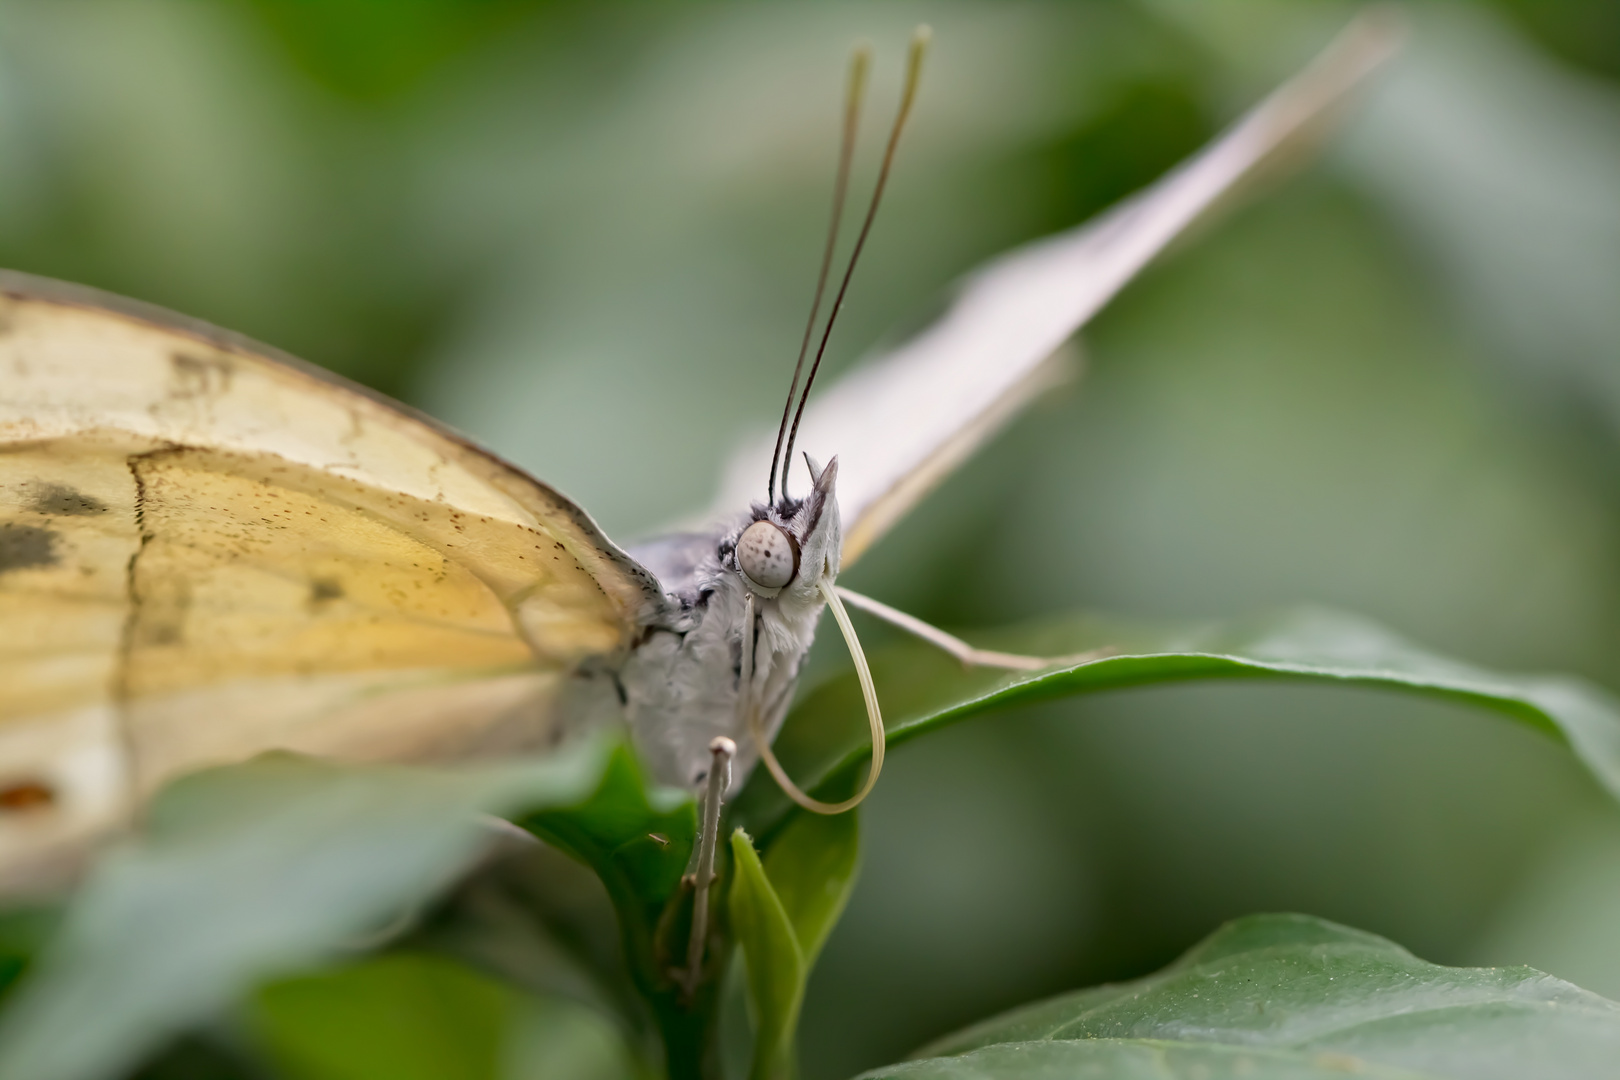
914, 59
860, 63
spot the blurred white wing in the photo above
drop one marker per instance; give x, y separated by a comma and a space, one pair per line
903, 422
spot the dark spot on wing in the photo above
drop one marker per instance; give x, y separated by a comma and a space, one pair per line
324, 589
198, 376
168, 631
59, 499
23, 795
23, 547
161, 611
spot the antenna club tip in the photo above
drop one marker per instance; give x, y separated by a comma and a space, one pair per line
920, 39
860, 63
722, 747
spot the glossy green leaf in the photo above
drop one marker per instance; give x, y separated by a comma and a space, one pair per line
251, 871
405, 1016
556, 1038
811, 866
639, 842
540, 921
418, 1016
23, 932
1143, 1059
776, 965
824, 740
781, 910
219, 1054
1295, 996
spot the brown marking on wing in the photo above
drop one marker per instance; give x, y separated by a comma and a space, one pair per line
193, 376
75, 331
62, 500
62, 589
26, 547
21, 796
161, 605
323, 589
253, 566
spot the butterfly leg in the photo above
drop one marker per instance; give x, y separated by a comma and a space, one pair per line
967, 654
723, 750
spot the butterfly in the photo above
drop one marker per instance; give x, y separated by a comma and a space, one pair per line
209, 549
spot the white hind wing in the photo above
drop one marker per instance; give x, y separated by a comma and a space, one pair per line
902, 422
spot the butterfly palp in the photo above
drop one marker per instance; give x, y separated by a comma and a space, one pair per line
874, 715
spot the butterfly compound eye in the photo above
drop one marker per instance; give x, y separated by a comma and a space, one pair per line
767, 555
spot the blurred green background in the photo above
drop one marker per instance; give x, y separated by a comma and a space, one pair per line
587, 234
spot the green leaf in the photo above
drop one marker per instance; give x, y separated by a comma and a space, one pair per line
1295, 996
824, 740
251, 871
1143, 1059
639, 843
811, 866
540, 921
556, 1038
776, 964
417, 1016
781, 911
220, 1054
405, 1016
23, 932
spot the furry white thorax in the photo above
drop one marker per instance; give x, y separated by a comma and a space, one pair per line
680, 684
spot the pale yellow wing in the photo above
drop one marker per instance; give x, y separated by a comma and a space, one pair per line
903, 421
207, 550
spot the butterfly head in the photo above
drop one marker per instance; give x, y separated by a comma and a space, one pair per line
791, 545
